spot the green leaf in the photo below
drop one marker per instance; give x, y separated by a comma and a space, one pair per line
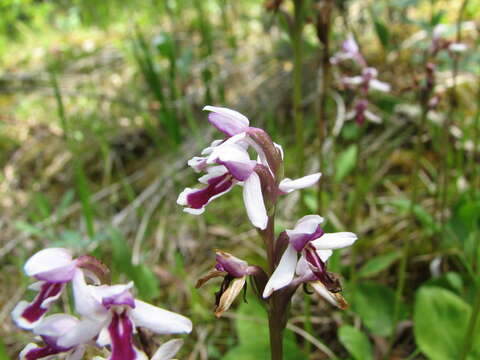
346, 162
3, 352
356, 342
382, 32
440, 324
378, 264
374, 303
420, 213
252, 330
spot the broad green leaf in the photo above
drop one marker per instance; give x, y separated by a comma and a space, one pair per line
252, 331
356, 342
378, 264
346, 162
3, 352
440, 324
374, 303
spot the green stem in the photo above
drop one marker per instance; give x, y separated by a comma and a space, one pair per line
355, 204
323, 33
296, 37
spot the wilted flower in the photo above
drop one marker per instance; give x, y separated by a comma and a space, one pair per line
315, 247
305, 275
234, 272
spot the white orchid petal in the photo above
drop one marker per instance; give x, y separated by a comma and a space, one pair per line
373, 117
324, 254
168, 350
284, 273
335, 241
83, 332
86, 304
77, 353
306, 225
379, 85
159, 320
228, 121
288, 185
253, 199
53, 264
55, 325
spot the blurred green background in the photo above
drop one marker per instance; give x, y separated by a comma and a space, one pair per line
101, 108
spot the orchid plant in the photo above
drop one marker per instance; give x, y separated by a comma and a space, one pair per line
296, 256
107, 316
362, 84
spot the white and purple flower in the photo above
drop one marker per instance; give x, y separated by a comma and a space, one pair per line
349, 51
228, 163
315, 247
50, 329
53, 268
110, 315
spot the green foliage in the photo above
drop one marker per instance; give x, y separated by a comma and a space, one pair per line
374, 303
145, 280
378, 264
252, 331
356, 342
346, 162
440, 324
3, 352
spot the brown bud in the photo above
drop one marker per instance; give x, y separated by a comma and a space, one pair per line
212, 274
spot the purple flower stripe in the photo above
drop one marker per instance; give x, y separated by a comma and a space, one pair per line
319, 268
124, 298
35, 310
216, 186
121, 332
41, 352
300, 241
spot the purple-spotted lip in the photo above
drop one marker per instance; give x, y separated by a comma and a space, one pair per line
299, 241
125, 298
198, 199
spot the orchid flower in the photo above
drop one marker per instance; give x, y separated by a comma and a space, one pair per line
227, 163
111, 314
349, 51
54, 268
360, 113
439, 42
368, 80
315, 247
166, 351
234, 272
50, 329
